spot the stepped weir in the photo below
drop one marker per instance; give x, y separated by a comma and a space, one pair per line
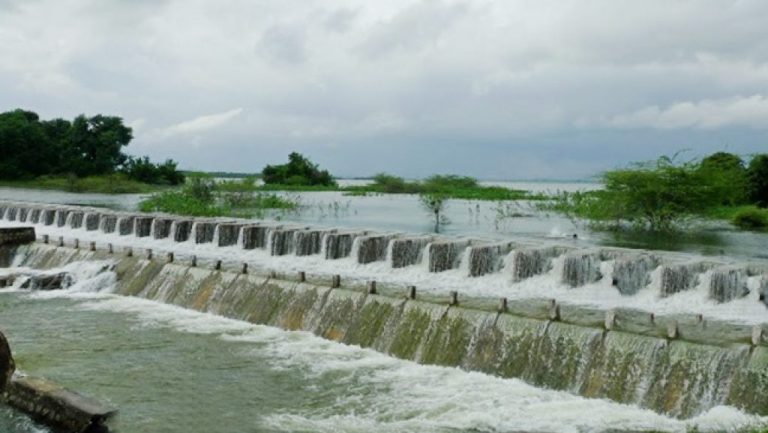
676, 364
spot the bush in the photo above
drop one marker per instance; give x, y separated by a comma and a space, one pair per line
298, 171
751, 219
143, 170
654, 196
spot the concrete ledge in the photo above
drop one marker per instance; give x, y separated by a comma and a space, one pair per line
10, 236
54, 405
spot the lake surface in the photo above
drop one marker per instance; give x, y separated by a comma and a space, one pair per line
481, 219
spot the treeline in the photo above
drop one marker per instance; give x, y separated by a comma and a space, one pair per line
83, 147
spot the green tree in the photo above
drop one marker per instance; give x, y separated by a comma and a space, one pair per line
757, 180
94, 145
654, 196
26, 150
727, 176
298, 171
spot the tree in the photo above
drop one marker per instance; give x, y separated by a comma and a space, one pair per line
654, 196
434, 203
726, 174
26, 150
757, 180
94, 145
298, 171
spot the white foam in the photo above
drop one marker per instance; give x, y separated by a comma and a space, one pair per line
600, 294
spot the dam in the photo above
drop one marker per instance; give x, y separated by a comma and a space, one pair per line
676, 334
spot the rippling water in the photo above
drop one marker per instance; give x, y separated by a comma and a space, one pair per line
174, 370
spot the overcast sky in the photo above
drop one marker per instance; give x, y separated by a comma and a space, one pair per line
508, 89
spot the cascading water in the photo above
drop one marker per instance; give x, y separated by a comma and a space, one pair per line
728, 284
580, 269
487, 259
407, 251
630, 274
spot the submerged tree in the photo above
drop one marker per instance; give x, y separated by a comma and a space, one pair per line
435, 204
655, 196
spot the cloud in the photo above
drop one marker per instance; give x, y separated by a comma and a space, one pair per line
486, 77
750, 112
200, 124
283, 44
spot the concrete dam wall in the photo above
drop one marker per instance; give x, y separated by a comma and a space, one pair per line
674, 364
629, 270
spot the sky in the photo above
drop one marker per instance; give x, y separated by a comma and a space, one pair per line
508, 89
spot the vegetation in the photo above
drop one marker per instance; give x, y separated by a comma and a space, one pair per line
661, 195
434, 203
82, 153
757, 180
115, 183
448, 186
298, 171
202, 196
751, 219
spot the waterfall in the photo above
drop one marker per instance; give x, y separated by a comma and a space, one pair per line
408, 251
49, 216
92, 220
240, 238
34, 215
228, 234
216, 234
630, 274
677, 278
281, 241
173, 230
369, 249
126, 225
727, 284
633, 360
526, 263
11, 213
446, 255
486, 259
61, 217
339, 245
308, 242
23, 212
580, 269
74, 220
153, 228
143, 226
193, 233
254, 237
205, 232
3, 210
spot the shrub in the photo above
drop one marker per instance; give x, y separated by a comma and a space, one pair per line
751, 219
298, 171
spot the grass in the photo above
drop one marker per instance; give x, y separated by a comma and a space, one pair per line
104, 184
448, 186
243, 205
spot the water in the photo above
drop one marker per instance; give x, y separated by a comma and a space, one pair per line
492, 220
174, 370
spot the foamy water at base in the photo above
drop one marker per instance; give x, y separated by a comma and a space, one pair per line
175, 370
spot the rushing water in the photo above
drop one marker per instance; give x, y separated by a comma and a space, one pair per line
174, 370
